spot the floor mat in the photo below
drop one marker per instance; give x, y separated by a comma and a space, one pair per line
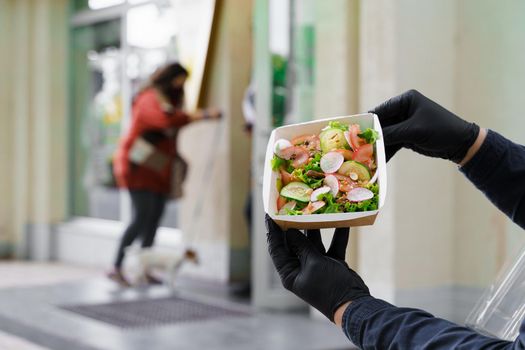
153, 312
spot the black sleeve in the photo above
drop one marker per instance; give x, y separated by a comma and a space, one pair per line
375, 324
498, 170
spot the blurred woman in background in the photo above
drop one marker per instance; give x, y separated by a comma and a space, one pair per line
144, 160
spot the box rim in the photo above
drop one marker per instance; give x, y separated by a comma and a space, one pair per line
332, 217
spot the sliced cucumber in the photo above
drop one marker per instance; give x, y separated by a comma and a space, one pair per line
332, 139
298, 191
355, 170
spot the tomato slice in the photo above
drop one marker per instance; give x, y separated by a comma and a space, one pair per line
355, 140
364, 153
313, 207
281, 201
286, 177
347, 154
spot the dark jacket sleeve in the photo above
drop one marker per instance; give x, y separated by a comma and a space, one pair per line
498, 170
375, 324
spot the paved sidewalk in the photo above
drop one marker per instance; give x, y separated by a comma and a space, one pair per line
10, 342
32, 317
29, 274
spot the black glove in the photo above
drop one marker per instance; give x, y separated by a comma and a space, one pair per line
413, 121
322, 279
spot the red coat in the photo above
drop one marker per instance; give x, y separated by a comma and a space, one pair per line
147, 115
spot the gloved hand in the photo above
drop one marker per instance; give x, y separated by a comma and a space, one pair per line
413, 121
322, 279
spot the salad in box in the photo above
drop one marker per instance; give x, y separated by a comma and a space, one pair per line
325, 173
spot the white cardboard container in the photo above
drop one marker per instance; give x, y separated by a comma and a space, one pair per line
270, 193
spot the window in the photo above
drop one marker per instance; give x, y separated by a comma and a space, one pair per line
291, 44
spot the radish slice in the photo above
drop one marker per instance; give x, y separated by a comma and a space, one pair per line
332, 182
359, 194
290, 206
312, 207
331, 162
280, 145
318, 192
347, 137
374, 178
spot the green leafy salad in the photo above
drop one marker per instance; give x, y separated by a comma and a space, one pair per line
333, 172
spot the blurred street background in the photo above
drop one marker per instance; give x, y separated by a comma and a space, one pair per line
69, 70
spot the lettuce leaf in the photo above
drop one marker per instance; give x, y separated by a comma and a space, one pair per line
331, 205
297, 210
370, 135
293, 212
368, 205
373, 187
314, 164
277, 163
337, 125
350, 207
310, 181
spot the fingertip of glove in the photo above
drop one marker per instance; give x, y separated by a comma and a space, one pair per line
271, 226
296, 240
342, 230
291, 236
268, 221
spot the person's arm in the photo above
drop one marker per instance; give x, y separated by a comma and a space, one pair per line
324, 280
150, 114
198, 115
495, 165
152, 111
498, 170
375, 324
205, 114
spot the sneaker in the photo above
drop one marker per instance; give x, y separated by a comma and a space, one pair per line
117, 277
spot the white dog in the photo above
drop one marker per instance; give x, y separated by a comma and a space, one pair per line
145, 261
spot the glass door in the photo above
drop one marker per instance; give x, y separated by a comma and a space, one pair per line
96, 117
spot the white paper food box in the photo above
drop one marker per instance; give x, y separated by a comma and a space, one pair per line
270, 193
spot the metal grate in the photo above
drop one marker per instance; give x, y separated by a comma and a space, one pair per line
153, 312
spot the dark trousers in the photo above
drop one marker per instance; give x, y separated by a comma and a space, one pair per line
147, 212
